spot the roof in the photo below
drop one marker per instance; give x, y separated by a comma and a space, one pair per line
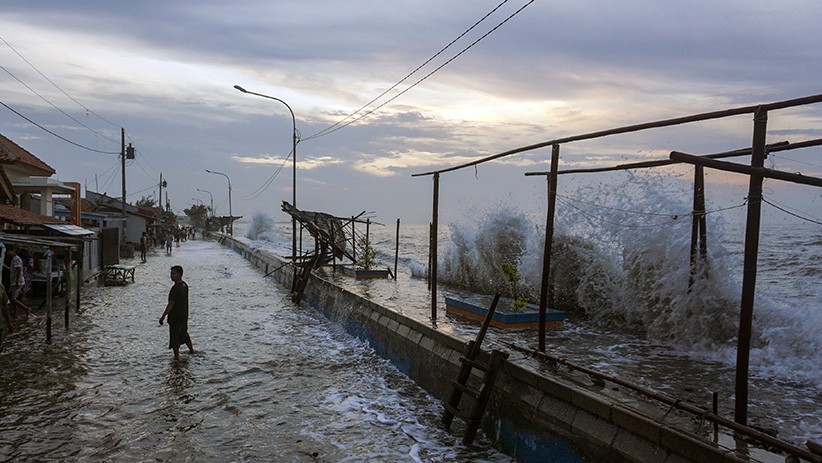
17, 216
12, 153
68, 229
28, 240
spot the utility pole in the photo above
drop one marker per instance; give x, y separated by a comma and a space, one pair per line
125, 153
123, 159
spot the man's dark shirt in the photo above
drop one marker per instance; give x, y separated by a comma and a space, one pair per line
179, 313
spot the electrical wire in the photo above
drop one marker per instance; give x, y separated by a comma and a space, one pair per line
621, 224
818, 222
55, 85
259, 191
341, 126
55, 106
322, 132
56, 135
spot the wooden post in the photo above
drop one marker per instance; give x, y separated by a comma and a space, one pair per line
397, 249
353, 242
67, 285
48, 296
545, 292
432, 271
333, 248
698, 233
80, 264
430, 234
743, 349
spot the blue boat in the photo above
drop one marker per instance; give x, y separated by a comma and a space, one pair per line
503, 318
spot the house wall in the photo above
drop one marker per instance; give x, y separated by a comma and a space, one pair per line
135, 226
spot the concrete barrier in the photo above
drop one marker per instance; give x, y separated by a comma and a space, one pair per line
534, 416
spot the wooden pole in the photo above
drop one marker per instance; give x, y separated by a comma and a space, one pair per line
697, 217
434, 227
353, 242
749, 269
545, 292
67, 286
80, 264
397, 249
333, 248
48, 296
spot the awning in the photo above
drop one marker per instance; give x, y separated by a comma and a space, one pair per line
28, 240
68, 229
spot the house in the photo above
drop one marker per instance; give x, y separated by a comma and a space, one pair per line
138, 219
28, 204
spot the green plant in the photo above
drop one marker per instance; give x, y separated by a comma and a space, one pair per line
368, 255
512, 275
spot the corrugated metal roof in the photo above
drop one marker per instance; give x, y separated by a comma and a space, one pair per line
68, 229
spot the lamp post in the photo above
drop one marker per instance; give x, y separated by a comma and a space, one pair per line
293, 179
230, 214
212, 199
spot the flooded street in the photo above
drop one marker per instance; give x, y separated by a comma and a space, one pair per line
270, 381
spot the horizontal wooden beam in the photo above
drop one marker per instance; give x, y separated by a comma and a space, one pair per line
748, 170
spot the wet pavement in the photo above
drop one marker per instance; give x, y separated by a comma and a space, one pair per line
270, 381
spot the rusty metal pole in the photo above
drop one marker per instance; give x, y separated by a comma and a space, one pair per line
743, 349
434, 227
545, 291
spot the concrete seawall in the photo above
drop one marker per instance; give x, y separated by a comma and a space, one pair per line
535, 416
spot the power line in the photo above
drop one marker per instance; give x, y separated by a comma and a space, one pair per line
427, 75
325, 130
270, 180
791, 213
57, 86
55, 106
56, 135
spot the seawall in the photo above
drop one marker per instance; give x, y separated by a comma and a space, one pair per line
537, 416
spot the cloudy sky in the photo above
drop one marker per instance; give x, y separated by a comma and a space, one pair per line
165, 71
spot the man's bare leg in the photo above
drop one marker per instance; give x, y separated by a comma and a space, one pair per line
190, 348
176, 353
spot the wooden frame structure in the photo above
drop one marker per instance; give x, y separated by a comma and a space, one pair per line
758, 152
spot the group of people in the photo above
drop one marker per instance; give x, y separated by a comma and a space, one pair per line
167, 237
19, 270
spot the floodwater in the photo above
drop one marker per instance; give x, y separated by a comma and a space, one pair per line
270, 382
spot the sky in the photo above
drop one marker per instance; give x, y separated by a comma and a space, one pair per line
165, 72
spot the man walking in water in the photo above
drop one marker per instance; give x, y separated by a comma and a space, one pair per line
177, 312
143, 246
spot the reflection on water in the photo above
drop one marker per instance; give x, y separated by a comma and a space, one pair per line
270, 382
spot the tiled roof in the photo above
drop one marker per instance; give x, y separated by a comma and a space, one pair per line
17, 216
86, 205
12, 153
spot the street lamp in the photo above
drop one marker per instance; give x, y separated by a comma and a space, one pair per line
212, 199
230, 214
293, 179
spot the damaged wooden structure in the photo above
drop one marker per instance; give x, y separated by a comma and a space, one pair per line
331, 237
